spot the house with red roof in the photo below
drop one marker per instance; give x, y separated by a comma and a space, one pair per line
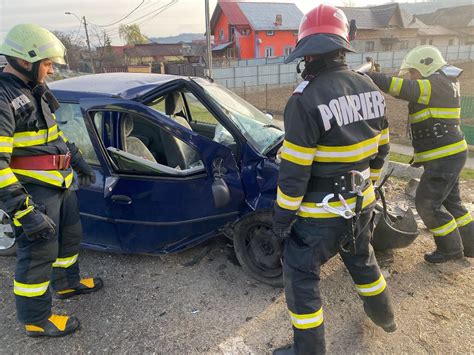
246, 29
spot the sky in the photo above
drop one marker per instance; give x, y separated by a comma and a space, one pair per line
182, 16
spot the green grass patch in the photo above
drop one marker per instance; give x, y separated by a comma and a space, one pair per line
467, 174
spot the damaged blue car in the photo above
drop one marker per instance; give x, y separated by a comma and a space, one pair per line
178, 160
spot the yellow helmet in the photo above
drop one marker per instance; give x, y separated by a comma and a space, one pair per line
32, 43
426, 59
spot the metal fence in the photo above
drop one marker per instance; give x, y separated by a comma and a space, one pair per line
272, 71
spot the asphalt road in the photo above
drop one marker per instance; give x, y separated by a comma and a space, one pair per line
185, 303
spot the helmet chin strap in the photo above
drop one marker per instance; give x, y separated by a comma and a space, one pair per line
32, 74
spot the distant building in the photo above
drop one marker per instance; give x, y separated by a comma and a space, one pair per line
388, 28
246, 30
459, 19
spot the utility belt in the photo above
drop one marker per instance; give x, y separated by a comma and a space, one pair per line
438, 130
41, 162
345, 183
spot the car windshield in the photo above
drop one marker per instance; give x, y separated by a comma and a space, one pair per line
257, 128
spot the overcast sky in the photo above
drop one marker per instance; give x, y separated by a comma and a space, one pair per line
183, 16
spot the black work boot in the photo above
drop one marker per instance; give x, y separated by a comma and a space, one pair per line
467, 236
448, 247
86, 286
284, 350
54, 326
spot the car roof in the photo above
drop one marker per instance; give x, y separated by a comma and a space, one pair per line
124, 85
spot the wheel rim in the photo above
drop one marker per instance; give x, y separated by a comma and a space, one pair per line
263, 251
6, 237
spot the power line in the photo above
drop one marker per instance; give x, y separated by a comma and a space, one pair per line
123, 18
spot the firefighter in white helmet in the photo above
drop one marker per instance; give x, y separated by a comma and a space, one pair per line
36, 162
433, 96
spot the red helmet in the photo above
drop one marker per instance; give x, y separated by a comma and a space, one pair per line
322, 30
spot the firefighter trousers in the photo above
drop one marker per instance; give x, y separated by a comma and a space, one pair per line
42, 262
439, 205
313, 242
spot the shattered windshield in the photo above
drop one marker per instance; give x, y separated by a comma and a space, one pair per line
256, 127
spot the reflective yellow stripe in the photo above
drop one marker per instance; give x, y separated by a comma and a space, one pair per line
61, 134
462, 221
6, 144
65, 262
373, 288
395, 86
442, 152
307, 321
435, 112
28, 139
425, 91
444, 229
297, 154
311, 210
7, 177
51, 177
384, 137
288, 202
348, 153
30, 290
375, 174
20, 214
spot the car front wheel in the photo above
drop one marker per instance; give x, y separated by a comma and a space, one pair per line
257, 250
7, 241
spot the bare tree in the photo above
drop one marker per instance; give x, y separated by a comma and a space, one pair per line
74, 47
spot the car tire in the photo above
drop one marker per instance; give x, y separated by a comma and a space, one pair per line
7, 244
256, 249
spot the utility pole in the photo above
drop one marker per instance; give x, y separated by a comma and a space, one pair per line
83, 21
88, 44
208, 40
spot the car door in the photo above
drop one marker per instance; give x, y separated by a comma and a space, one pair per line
157, 208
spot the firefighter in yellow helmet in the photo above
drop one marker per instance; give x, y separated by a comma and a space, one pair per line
433, 97
35, 179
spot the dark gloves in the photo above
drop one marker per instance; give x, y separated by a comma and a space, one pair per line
85, 174
35, 224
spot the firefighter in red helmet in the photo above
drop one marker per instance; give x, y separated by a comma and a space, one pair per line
336, 141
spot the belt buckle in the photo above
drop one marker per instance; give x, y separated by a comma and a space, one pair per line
358, 182
63, 161
435, 130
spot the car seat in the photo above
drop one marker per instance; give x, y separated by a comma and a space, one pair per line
134, 145
178, 153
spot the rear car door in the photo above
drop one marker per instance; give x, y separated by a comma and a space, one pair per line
160, 183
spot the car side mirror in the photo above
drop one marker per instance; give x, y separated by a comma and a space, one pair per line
220, 190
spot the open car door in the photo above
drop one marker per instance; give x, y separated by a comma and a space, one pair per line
155, 205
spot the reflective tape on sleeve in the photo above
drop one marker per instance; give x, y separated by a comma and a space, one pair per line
425, 92
288, 202
395, 86
6, 144
297, 154
7, 177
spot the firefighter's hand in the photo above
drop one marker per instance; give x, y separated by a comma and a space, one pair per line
281, 231
376, 67
86, 179
36, 225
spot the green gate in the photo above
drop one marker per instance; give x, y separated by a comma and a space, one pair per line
467, 117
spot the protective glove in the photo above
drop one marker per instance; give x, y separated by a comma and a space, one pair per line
35, 224
85, 174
